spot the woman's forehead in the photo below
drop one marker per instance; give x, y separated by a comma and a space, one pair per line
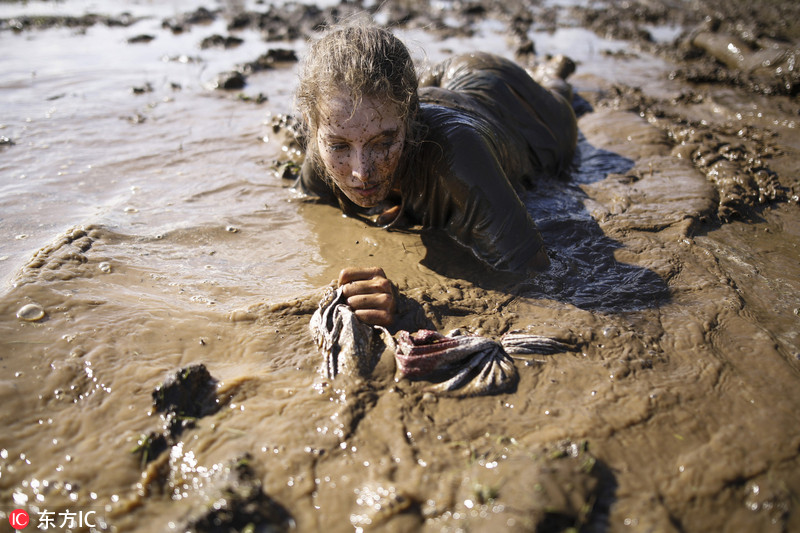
369, 114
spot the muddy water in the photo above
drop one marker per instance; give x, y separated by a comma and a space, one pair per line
146, 231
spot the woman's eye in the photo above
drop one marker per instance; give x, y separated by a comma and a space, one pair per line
337, 147
386, 143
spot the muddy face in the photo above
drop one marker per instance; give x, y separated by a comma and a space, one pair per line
361, 147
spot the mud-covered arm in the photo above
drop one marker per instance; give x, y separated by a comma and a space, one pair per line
485, 212
311, 183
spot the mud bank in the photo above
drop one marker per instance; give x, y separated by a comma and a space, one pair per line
674, 248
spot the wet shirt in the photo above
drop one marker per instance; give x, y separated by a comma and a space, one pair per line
490, 131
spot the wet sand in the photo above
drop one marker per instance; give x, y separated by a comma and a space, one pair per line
146, 230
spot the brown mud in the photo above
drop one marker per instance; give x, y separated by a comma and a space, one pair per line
675, 252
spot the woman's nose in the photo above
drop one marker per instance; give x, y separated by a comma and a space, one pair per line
360, 167
358, 174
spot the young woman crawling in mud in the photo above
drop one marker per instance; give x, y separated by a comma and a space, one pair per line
448, 150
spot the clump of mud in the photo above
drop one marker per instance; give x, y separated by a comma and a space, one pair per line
181, 400
735, 158
237, 78
748, 45
231, 497
721, 52
43, 22
235, 501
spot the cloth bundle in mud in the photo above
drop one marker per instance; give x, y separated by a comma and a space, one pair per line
463, 365
474, 364
348, 345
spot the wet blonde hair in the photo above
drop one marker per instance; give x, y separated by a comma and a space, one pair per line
364, 61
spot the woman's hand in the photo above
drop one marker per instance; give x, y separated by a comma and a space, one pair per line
370, 294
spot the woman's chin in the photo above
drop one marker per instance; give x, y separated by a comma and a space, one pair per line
366, 204
368, 200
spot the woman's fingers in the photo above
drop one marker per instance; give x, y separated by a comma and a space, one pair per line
370, 294
370, 286
375, 317
379, 301
349, 275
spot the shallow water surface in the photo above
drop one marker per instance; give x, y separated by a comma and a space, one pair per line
145, 229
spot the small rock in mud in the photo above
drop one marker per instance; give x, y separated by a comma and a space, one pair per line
218, 41
143, 38
180, 24
237, 79
230, 80
237, 502
274, 57
142, 89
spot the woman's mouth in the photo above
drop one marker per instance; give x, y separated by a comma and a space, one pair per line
366, 191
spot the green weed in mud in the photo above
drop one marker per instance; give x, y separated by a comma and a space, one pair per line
148, 447
484, 494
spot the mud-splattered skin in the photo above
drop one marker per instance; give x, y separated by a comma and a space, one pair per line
360, 147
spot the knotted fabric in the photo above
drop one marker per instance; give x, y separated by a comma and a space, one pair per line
463, 365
